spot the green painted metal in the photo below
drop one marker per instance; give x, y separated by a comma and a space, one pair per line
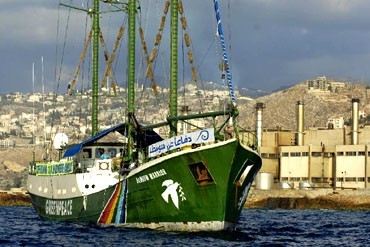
215, 201
131, 72
80, 209
95, 69
73, 7
174, 65
150, 198
203, 115
131, 55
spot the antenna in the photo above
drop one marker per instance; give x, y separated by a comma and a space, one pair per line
43, 95
33, 112
33, 104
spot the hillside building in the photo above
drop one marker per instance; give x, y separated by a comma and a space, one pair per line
335, 123
324, 85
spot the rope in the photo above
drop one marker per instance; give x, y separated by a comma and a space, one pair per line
82, 101
144, 57
151, 60
190, 53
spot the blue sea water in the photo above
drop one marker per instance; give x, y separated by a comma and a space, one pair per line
20, 226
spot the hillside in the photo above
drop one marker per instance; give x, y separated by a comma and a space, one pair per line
280, 107
14, 166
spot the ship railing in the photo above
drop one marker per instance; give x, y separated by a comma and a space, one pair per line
248, 138
222, 131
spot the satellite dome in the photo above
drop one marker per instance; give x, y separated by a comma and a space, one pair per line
60, 140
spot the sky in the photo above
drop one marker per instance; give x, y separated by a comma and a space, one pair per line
271, 44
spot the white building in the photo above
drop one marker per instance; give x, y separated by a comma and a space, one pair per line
335, 123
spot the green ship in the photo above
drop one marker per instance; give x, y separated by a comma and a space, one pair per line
194, 181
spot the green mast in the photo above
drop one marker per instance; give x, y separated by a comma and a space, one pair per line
174, 65
131, 56
131, 72
95, 69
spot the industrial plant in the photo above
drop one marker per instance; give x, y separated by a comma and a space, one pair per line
337, 156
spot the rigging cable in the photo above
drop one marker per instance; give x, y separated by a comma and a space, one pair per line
164, 66
63, 49
189, 45
152, 59
83, 77
55, 74
220, 33
141, 63
183, 69
55, 68
124, 21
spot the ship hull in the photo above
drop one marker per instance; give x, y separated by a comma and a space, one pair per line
199, 189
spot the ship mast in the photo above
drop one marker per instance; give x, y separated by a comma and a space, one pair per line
131, 56
174, 66
95, 69
224, 53
131, 76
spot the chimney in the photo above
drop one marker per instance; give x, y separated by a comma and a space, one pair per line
259, 109
300, 123
355, 117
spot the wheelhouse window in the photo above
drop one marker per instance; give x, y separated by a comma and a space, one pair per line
87, 153
112, 152
99, 152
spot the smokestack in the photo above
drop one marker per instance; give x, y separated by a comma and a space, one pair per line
259, 109
355, 117
300, 123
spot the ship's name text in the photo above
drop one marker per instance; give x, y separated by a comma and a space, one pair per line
61, 208
151, 176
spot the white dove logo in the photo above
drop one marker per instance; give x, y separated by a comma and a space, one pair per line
171, 191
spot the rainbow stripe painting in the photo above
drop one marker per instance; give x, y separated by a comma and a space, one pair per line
114, 211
